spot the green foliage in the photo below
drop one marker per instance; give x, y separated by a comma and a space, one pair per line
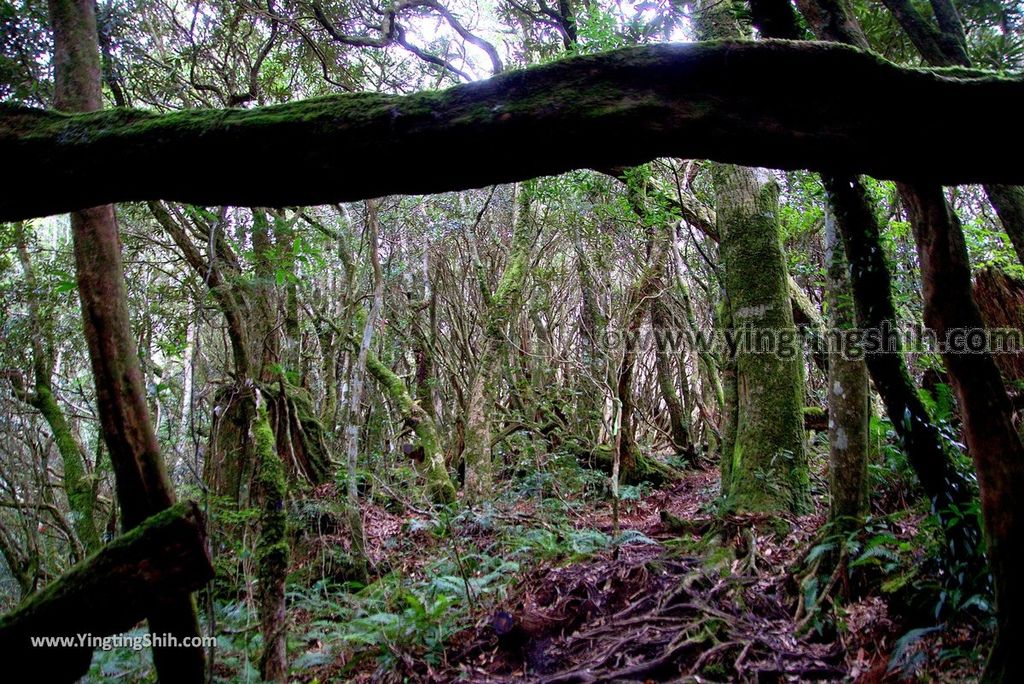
905, 657
396, 615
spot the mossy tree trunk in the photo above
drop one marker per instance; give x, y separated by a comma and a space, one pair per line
250, 311
848, 396
272, 552
415, 416
501, 307
593, 328
78, 487
1008, 201
765, 465
476, 439
703, 100
109, 592
766, 469
143, 488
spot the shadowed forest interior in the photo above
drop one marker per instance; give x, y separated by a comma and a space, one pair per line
442, 340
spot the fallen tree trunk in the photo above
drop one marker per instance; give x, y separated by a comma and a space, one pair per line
782, 104
109, 593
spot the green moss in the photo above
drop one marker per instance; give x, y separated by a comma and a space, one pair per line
272, 546
767, 468
318, 458
77, 486
513, 278
439, 482
82, 574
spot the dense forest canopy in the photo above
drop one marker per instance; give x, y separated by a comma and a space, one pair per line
444, 340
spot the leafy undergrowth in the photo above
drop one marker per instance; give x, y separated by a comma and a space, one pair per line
540, 588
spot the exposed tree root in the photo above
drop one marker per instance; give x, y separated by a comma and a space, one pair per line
646, 616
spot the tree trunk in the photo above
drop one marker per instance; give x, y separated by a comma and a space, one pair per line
679, 421
768, 469
635, 466
848, 396
142, 485
992, 440
730, 400
707, 364
593, 327
272, 550
253, 333
722, 101
439, 483
1000, 296
77, 485
501, 307
766, 464
476, 450
872, 290
354, 415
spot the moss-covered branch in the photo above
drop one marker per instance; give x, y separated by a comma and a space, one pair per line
110, 592
773, 103
439, 482
77, 484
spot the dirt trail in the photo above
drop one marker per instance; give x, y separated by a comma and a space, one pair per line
673, 610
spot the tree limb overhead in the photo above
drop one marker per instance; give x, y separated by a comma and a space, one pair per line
779, 104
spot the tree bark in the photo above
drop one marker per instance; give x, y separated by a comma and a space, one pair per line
272, 551
992, 440
143, 488
848, 396
779, 104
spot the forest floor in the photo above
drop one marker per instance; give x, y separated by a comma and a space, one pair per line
687, 596
539, 586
